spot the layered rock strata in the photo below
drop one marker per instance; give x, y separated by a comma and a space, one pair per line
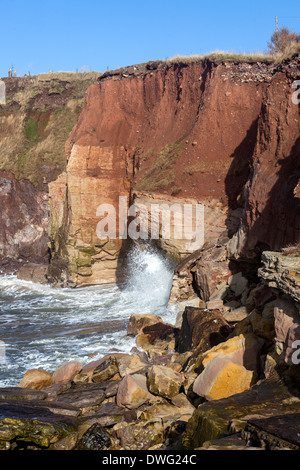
163, 132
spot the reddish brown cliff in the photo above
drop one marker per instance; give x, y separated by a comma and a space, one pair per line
272, 206
222, 134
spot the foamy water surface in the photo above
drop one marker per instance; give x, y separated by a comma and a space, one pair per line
45, 327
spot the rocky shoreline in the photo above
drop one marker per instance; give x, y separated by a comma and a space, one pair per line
223, 134
223, 377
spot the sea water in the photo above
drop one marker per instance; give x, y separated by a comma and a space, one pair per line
45, 327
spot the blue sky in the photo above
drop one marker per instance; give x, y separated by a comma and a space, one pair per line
68, 35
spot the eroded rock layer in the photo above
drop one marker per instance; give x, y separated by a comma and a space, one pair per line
175, 131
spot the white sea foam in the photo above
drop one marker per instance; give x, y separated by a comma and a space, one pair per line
44, 327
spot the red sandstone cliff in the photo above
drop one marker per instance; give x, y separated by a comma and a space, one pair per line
224, 134
271, 218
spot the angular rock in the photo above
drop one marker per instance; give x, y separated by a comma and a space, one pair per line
167, 412
287, 328
243, 350
66, 372
276, 432
133, 392
214, 305
21, 394
36, 379
220, 293
159, 335
108, 415
236, 315
164, 381
259, 296
89, 368
129, 364
180, 307
262, 323
106, 370
54, 390
138, 321
81, 378
182, 401
222, 378
201, 329
211, 269
211, 420
66, 443
286, 314
282, 272
83, 395
111, 388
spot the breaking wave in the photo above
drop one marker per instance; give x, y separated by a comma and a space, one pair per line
45, 327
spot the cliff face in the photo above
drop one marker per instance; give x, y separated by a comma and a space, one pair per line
23, 221
271, 218
221, 134
35, 122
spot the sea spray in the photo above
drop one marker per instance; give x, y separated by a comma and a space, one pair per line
45, 327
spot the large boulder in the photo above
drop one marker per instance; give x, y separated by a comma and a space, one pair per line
106, 370
210, 270
66, 372
138, 321
133, 392
36, 379
282, 272
158, 336
129, 364
202, 329
243, 350
236, 315
164, 381
221, 379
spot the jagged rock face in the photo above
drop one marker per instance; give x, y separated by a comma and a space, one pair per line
35, 122
24, 219
184, 130
271, 202
281, 272
94, 176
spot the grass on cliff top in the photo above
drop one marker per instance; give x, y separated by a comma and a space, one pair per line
290, 51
